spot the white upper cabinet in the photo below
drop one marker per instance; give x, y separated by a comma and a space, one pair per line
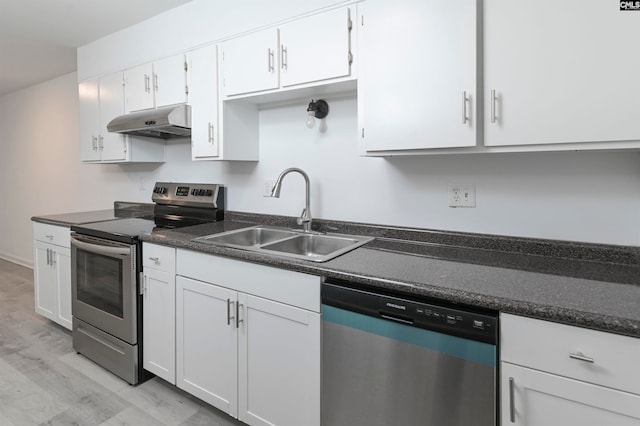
316, 48
250, 63
157, 84
417, 76
203, 97
304, 51
560, 72
101, 100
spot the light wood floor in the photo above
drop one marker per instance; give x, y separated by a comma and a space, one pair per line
44, 382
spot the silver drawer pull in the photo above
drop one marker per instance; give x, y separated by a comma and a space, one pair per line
154, 259
512, 406
581, 357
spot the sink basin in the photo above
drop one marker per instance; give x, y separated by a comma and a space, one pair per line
313, 247
287, 242
255, 236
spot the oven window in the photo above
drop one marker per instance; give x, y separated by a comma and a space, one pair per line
99, 281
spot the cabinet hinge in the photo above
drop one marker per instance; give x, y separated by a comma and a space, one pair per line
350, 58
363, 132
349, 22
124, 145
186, 66
186, 89
362, 21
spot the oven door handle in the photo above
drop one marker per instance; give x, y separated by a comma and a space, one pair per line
99, 248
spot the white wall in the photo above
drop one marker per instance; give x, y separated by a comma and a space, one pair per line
592, 197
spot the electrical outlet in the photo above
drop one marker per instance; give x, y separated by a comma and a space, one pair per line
268, 187
462, 195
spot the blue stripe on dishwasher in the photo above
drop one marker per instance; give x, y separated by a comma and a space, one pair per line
482, 353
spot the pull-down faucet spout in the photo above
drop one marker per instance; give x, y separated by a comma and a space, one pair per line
305, 217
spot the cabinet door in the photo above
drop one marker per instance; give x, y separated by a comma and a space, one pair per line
279, 364
139, 87
159, 324
170, 81
552, 76
206, 343
417, 74
113, 146
203, 97
89, 102
45, 287
250, 63
316, 48
62, 266
542, 399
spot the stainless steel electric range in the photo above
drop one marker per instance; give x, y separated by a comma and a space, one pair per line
105, 274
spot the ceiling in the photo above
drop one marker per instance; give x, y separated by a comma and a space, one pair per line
38, 38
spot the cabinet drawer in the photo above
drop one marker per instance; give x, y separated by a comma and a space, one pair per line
588, 355
159, 257
52, 234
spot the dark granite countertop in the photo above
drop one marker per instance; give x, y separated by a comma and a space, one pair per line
593, 286
120, 209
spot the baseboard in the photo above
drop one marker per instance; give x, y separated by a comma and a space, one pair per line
27, 263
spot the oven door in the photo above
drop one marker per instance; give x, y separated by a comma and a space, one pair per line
104, 285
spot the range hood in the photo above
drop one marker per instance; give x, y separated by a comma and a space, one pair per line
164, 123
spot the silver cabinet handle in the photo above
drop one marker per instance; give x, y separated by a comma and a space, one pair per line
238, 320
229, 317
147, 83
48, 257
465, 99
155, 81
512, 407
53, 258
49, 237
270, 60
493, 106
283, 56
154, 259
100, 142
211, 133
94, 143
582, 357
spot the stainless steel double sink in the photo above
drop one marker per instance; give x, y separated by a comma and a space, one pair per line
286, 242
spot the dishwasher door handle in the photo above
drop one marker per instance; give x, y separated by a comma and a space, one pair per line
396, 319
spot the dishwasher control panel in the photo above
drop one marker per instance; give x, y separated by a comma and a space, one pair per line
462, 323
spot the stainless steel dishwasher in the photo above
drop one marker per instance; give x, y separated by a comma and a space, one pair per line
391, 360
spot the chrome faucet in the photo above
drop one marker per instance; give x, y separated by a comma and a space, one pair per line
305, 217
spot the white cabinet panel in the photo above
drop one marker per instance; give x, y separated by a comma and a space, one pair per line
560, 71
250, 62
52, 273
315, 48
203, 97
157, 84
207, 350
542, 399
113, 146
279, 367
159, 323
89, 102
417, 81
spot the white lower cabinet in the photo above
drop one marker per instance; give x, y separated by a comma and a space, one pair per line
553, 374
159, 303
52, 273
242, 345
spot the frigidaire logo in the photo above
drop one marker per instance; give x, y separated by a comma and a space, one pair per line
393, 305
629, 5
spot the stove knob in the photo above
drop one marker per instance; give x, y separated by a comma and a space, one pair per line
208, 193
194, 191
163, 190
201, 192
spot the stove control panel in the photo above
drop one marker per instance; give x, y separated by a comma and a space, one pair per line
187, 194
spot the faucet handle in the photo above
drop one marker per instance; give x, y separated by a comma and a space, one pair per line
304, 217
